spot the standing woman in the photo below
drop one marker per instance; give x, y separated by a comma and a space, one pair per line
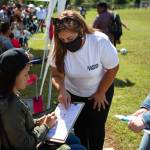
84, 65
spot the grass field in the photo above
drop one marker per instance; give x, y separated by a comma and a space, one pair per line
133, 80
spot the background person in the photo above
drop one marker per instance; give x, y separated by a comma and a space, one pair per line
83, 11
15, 42
84, 65
41, 15
103, 20
5, 42
108, 22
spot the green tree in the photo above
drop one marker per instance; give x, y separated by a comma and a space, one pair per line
3, 2
120, 1
78, 2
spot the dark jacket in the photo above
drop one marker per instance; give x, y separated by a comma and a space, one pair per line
22, 134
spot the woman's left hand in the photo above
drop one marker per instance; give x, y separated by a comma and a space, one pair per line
99, 100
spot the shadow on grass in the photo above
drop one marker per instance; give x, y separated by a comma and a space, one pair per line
123, 83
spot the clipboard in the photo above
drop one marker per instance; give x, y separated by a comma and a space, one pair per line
65, 121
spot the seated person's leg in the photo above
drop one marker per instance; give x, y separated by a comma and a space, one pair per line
77, 147
72, 139
145, 142
74, 142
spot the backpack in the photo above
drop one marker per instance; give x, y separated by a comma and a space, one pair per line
115, 26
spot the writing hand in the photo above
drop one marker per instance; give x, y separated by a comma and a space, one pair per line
40, 120
50, 119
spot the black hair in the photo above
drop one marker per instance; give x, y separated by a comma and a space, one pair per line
11, 35
7, 81
102, 5
18, 6
4, 27
12, 63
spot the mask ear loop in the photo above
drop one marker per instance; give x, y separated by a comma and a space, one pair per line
82, 34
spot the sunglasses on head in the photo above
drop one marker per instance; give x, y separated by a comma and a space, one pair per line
66, 22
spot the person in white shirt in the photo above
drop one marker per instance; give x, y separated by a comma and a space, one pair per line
84, 65
41, 15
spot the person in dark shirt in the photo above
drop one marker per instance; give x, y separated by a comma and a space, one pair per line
103, 20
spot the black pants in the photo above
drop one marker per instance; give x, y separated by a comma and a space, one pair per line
90, 125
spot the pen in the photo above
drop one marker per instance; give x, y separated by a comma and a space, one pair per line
125, 118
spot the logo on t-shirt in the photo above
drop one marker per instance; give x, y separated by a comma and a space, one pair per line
92, 67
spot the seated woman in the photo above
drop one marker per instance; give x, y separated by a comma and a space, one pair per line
18, 129
142, 121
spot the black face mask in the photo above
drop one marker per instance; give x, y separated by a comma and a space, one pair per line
74, 45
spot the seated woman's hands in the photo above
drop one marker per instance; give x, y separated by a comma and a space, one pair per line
49, 120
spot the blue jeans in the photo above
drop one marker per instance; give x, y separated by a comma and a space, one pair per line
74, 142
145, 142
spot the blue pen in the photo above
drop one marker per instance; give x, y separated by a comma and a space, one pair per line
126, 118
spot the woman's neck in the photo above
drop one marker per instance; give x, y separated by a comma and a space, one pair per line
15, 91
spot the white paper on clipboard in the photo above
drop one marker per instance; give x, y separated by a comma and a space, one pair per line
65, 121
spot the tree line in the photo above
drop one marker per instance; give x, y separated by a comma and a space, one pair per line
84, 2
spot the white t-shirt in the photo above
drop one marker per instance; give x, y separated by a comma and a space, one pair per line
41, 14
85, 68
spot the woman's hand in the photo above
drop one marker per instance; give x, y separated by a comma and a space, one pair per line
99, 100
64, 98
40, 121
50, 120
136, 124
58, 81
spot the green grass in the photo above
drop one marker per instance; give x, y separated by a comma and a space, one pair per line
132, 81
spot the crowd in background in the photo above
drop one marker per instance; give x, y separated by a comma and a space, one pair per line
18, 22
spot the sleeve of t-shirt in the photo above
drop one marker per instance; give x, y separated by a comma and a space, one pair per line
108, 54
